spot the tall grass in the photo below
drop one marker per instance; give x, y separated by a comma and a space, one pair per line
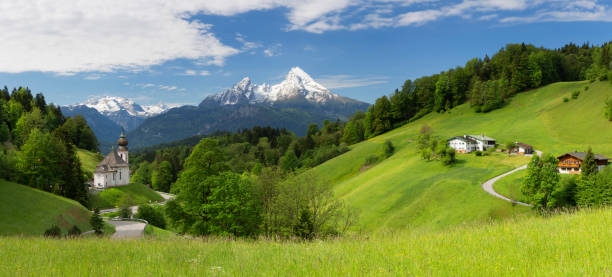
577, 244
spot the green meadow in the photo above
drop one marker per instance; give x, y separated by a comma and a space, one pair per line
109, 198
28, 211
89, 160
510, 186
577, 244
405, 192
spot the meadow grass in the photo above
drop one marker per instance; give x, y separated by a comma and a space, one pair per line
109, 198
406, 192
577, 244
510, 186
153, 232
28, 211
89, 160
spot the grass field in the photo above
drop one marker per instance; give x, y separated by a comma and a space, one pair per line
153, 232
89, 160
109, 198
510, 186
566, 245
28, 211
406, 192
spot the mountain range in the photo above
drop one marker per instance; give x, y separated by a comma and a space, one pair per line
106, 115
292, 104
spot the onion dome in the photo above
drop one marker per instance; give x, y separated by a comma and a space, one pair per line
122, 141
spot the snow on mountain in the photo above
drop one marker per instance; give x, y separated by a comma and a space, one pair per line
297, 84
108, 105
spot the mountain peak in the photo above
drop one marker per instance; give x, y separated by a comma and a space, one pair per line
113, 104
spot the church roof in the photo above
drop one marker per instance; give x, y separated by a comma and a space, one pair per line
112, 160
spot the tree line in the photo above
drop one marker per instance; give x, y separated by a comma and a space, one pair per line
38, 144
486, 83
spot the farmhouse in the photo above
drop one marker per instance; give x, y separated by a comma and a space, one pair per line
114, 170
470, 143
570, 163
522, 149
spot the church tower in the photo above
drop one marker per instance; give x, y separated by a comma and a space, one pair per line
122, 150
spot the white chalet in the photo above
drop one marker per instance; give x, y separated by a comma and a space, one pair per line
470, 143
114, 170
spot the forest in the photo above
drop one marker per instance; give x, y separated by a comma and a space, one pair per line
486, 83
38, 144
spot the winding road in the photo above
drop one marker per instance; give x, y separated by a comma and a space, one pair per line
488, 185
129, 228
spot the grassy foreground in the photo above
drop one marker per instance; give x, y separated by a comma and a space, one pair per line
568, 245
28, 211
109, 198
407, 192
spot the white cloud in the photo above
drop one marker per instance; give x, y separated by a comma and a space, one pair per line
65, 36
274, 50
204, 73
189, 72
349, 81
92, 77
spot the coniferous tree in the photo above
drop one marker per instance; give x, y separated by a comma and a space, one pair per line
589, 166
96, 222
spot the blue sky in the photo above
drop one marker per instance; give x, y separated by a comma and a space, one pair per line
180, 51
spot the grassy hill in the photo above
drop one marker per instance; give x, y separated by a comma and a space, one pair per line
567, 245
29, 211
109, 198
405, 191
89, 160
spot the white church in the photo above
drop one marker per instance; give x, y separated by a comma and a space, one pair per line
114, 170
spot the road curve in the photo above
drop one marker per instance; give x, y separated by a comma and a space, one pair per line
127, 229
488, 185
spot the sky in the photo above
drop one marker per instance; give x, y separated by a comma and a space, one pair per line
178, 52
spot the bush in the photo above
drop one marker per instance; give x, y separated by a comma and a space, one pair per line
388, 148
449, 157
53, 232
586, 88
74, 231
575, 94
478, 153
370, 160
125, 212
153, 215
565, 99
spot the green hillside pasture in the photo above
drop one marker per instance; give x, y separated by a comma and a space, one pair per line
405, 192
109, 198
510, 186
566, 245
89, 160
28, 211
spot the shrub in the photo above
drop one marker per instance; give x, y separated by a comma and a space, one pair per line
153, 215
565, 99
74, 231
53, 232
575, 94
304, 227
125, 212
388, 148
449, 157
586, 88
370, 160
478, 153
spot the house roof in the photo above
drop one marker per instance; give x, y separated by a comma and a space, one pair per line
524, 145
481, 137
582, 155
466, 139
112, 160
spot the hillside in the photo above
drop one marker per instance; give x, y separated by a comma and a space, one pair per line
566, 245
29, 211
405, 191
89, 160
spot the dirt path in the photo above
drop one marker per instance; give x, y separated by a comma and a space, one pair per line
127, 229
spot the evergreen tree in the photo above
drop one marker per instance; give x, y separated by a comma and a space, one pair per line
161, 179
304, 228
589, 166
96, 222
5, 133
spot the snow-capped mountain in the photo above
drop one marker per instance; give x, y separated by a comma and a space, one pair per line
108, 105
106, 115
297, 85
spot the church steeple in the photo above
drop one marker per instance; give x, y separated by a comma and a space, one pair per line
122, 142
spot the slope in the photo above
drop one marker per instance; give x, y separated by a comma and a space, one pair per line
29, 211
405, 191
567, 245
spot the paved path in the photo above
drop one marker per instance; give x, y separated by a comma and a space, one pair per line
488, 185
127, 229
132, 229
